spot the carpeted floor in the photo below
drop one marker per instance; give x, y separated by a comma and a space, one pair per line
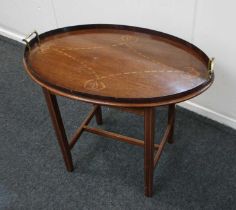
197, 172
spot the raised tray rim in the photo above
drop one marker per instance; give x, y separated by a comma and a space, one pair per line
113, 100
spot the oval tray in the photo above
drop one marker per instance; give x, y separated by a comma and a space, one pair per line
117, 65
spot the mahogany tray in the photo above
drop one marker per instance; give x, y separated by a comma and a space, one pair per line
130, 68
118, 65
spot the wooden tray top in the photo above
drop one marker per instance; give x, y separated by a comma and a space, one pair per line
117, 64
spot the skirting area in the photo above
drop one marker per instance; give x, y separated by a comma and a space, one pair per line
196, 172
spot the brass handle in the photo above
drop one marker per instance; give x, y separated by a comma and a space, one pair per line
27, 37
211, 65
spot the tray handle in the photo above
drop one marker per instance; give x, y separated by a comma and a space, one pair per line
211, 64
26, 39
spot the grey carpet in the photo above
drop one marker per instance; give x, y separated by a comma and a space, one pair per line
197, 172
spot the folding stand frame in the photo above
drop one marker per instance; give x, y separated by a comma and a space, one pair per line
152, 151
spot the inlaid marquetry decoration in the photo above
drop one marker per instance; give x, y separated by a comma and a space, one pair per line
127, 62
130, 68
127, 42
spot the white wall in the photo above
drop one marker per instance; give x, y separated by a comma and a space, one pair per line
209, 24
18, 18
215, 33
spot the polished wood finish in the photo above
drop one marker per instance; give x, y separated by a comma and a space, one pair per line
59, 128
79, 131
162, 144
149, 127
138, 111
150, 159
113, 65
129, 68
171, 121
99, 115
117, 136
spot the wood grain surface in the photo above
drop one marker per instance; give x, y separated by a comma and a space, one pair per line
117, 64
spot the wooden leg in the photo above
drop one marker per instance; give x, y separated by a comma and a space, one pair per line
59, 128
149, 125
98, 115
171, 121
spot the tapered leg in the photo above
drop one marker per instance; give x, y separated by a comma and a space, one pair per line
59, 128
149, 125
171, 121
98, 115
